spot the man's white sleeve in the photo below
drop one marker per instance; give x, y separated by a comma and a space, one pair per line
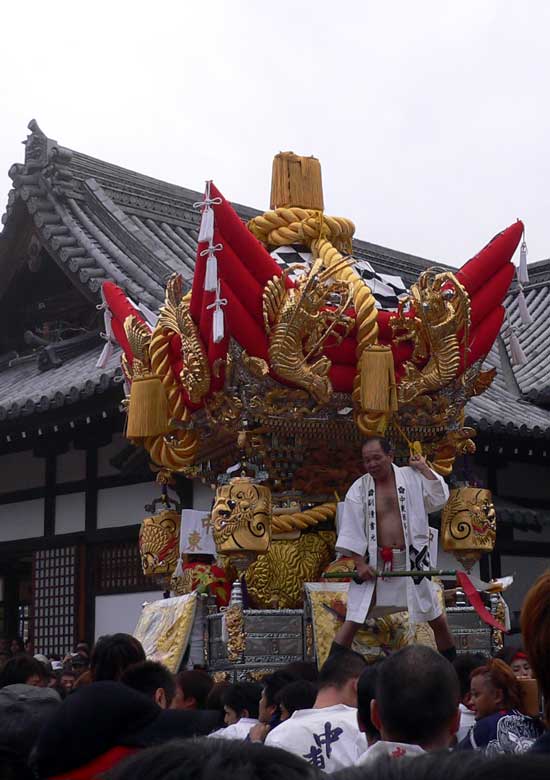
434, 492
352, 537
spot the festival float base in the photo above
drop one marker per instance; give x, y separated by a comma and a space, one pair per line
276, 372
248, 643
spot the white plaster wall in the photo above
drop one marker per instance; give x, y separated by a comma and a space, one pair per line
70, 513
21, 471
120, 612
203, 495
23, 520
124, 505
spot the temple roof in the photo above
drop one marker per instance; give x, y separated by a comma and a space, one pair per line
25, 389
99, 221
533, 378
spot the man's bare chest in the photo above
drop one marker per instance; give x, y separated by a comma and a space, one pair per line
386, 501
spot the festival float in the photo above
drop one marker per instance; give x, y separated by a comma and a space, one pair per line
261, 381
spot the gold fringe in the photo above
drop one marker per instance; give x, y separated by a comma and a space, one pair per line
148, 408
296, 181
378, 388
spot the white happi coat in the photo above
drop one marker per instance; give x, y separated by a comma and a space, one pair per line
358, 534
238, 730
394, 750
326, 737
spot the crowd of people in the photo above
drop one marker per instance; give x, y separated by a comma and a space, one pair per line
110, 714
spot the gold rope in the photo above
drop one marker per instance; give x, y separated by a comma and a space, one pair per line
326, 236
305, 519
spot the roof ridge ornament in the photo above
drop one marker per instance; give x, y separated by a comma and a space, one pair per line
41, 150
37, 146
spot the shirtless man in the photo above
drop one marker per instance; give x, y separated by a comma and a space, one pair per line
385, 521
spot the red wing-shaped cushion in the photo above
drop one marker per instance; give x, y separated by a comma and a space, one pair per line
120, 308
244, 268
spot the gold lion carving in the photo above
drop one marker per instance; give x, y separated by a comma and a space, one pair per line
468, 523
241, 517
277, 578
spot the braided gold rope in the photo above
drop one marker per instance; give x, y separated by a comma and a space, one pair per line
301, 520
182, 451
325, 236
294, 225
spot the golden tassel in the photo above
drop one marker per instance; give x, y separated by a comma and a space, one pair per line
148, 407
296, 181
378, 388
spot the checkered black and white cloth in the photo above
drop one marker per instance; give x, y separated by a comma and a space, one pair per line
387, 289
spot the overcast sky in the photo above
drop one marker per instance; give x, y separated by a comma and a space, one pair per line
430, 117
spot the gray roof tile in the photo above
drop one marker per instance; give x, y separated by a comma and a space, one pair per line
25, 390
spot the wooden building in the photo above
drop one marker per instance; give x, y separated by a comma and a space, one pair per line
72, 490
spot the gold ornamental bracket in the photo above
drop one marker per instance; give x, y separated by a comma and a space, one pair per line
241, 517
159, 543
468, 524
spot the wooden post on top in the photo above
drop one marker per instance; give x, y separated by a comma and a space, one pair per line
296, 181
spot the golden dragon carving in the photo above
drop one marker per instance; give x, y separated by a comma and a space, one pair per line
176, 317
297, 323
139, 339
439, 331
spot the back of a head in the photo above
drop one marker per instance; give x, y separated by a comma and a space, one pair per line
20, 669
535, 627
244, 696
13, 766
366, 692
298, 695
302, 670
339, 668
464, 665
148, 676
417, 695
214, 700
502, 678
89, 722
195, 684
202, 760
275, 682
457, 765
24, 709
112, 654
527, 766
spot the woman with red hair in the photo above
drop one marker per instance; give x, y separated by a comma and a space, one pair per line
496, 699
